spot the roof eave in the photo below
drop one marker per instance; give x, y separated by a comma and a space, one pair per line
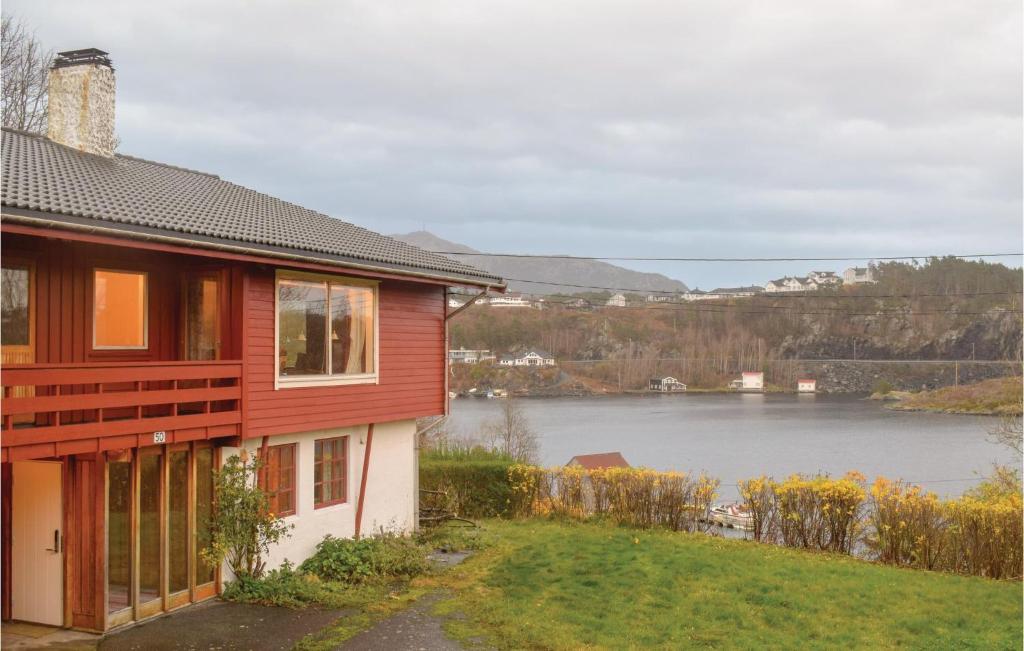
129, 231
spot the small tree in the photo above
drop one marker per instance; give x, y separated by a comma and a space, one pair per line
26, 64
511, 433
1009, 432
242, 527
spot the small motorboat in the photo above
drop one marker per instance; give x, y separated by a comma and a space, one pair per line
733, 516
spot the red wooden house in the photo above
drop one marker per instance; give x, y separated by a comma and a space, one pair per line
156, 319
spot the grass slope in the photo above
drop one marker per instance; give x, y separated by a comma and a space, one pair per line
1001, 396
556, 585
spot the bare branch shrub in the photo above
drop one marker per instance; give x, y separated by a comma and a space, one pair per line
25, 67
1009, 432
511, 433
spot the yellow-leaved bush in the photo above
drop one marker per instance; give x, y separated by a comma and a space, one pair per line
984, 529
820, 512
637, 497
893, 522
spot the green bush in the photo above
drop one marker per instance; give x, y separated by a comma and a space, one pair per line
883, 387
355, 561
474, 480
242, 527
281, 587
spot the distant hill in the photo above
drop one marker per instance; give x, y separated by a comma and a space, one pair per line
591, 273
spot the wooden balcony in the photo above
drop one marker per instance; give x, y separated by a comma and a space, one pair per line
58, 409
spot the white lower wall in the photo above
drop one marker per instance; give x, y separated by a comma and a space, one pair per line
390, 501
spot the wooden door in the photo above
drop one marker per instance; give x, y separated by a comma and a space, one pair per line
37, 554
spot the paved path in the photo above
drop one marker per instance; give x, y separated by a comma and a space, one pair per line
217, 625
413, 629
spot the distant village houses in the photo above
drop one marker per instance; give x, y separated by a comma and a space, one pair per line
510, 300
812, 281
468, 356
531, 357
617, 300
723, 293
660, 298
666, 384
825, 278
859, 276
752, 381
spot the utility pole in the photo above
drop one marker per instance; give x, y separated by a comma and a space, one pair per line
956, 374
972, 351
854, 349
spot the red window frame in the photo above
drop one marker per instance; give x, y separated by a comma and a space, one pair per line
274, 471
336, 465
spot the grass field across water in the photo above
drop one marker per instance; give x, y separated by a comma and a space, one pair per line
544, 584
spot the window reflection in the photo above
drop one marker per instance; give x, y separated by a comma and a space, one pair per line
149, 527
119, 502
204, 511
302, 310
14, 306
177, 521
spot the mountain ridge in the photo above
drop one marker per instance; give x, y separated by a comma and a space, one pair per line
568, 272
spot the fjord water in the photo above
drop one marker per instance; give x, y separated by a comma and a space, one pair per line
738, 436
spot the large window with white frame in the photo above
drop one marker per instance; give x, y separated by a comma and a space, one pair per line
326, 330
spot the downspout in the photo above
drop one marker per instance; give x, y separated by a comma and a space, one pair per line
261, 476
465, 305
362, 480
448, 316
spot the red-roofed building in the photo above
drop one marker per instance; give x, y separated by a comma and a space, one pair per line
598, 461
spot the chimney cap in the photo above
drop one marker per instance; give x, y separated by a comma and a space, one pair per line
82, 57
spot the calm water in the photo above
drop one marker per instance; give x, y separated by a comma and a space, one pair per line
737, 436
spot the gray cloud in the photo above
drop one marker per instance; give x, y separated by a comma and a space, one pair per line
634, 128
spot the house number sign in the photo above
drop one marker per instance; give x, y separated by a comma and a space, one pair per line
159, 437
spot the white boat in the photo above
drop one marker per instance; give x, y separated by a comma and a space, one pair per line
734, 516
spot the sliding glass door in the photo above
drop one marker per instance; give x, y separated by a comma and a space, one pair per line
178, 538
150, 542
158, 508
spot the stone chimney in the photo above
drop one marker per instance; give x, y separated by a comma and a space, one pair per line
81, 101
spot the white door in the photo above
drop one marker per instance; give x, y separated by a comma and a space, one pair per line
37, 545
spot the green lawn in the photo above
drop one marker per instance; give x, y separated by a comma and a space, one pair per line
544, 584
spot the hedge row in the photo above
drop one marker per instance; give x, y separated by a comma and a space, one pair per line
980, 533
472, 487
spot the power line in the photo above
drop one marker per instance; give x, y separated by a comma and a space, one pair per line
907, 481
803, 360
646, 259
766, 309
555, 283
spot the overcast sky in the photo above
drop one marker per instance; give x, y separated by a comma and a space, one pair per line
635, 128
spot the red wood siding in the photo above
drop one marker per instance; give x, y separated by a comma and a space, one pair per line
63, 299
83, 535
412, 365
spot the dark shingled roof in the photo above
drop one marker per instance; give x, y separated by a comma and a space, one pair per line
140, 196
